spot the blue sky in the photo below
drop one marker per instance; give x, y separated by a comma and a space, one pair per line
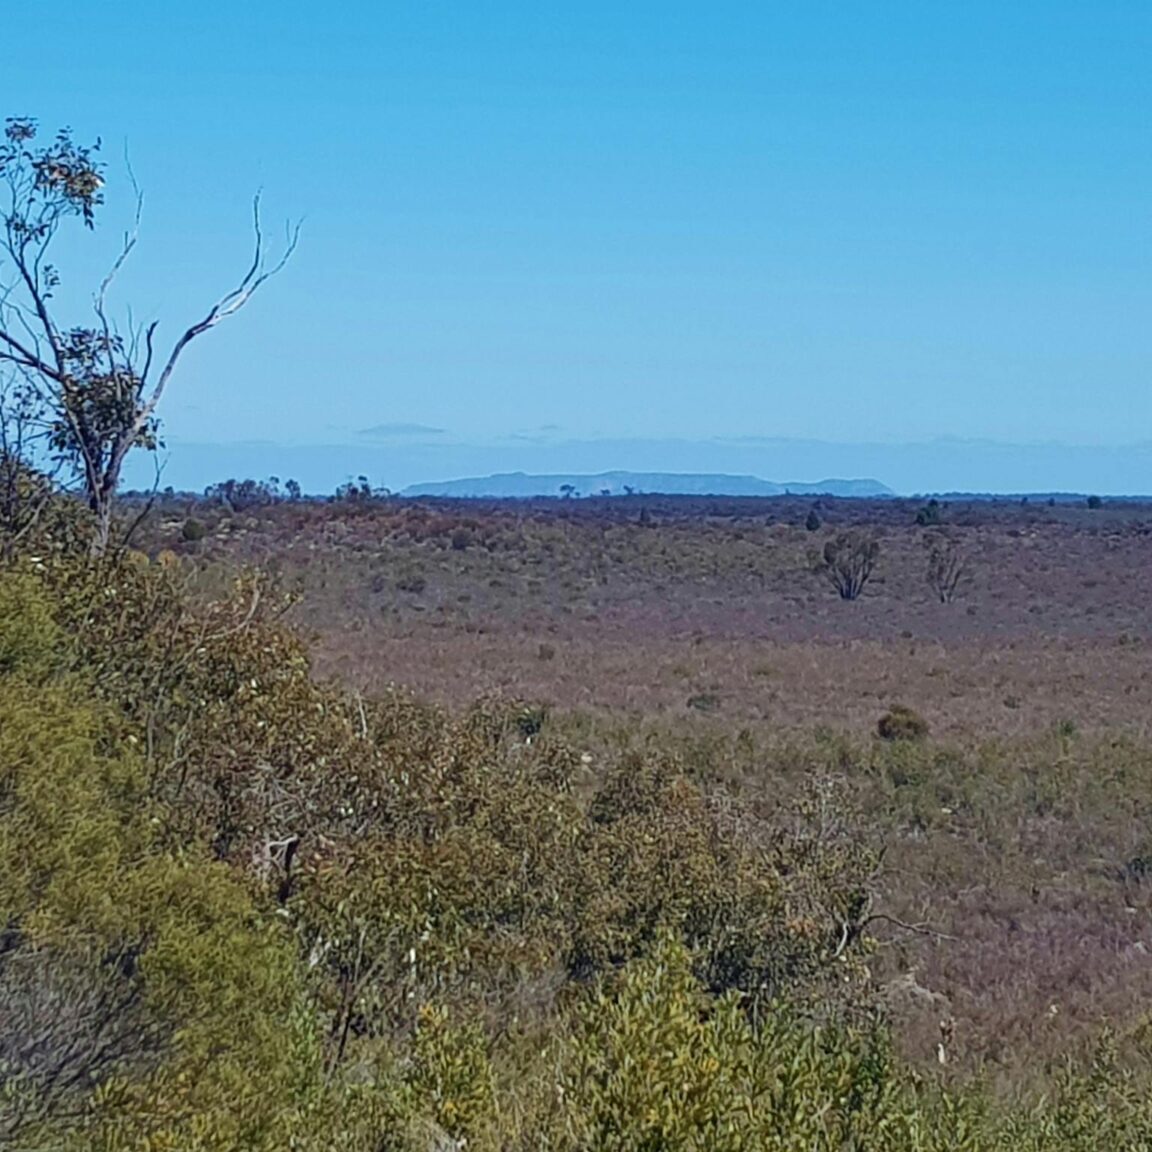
534, 224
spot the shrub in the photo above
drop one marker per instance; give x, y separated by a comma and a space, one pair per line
763, 907
704, 702
193, 530
450, 1074
31, 641
143, 976
412, 582
930, 514
848, 560
812, 523
901, 723
947, 567
659, 1064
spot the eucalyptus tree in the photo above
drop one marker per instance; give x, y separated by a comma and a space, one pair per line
89, 391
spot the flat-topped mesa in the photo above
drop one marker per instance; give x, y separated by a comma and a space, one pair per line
620, 483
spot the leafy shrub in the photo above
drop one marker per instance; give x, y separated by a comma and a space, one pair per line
764, 908
451, 1075
660, 1064
901, 723
143, 976
30, 639
193, 530
25, 493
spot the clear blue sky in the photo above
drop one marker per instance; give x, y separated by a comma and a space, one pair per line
848, 222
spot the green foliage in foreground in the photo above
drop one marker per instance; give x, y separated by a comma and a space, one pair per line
242, 910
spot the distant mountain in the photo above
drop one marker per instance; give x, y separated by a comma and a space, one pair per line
521, 485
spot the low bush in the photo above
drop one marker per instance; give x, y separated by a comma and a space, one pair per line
193, 530
930, 514
901, 723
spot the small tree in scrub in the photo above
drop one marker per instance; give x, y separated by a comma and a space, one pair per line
847, 561
932, 513
947, 566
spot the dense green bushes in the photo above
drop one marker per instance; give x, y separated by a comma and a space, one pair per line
135, 980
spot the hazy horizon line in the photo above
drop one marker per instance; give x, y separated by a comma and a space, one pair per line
942, 465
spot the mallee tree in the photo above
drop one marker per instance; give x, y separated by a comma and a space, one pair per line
88, 393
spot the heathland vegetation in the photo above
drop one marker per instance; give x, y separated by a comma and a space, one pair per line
737, 825
249, 906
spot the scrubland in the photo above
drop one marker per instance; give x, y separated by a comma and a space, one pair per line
580, 824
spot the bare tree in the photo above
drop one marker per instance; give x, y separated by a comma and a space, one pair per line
848, 560
947, 566
100, 385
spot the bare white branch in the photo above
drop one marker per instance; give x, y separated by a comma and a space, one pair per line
256, 276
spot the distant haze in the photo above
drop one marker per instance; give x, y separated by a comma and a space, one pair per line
946, 465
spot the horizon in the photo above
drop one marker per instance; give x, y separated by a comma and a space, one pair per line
947, 465
648, 227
